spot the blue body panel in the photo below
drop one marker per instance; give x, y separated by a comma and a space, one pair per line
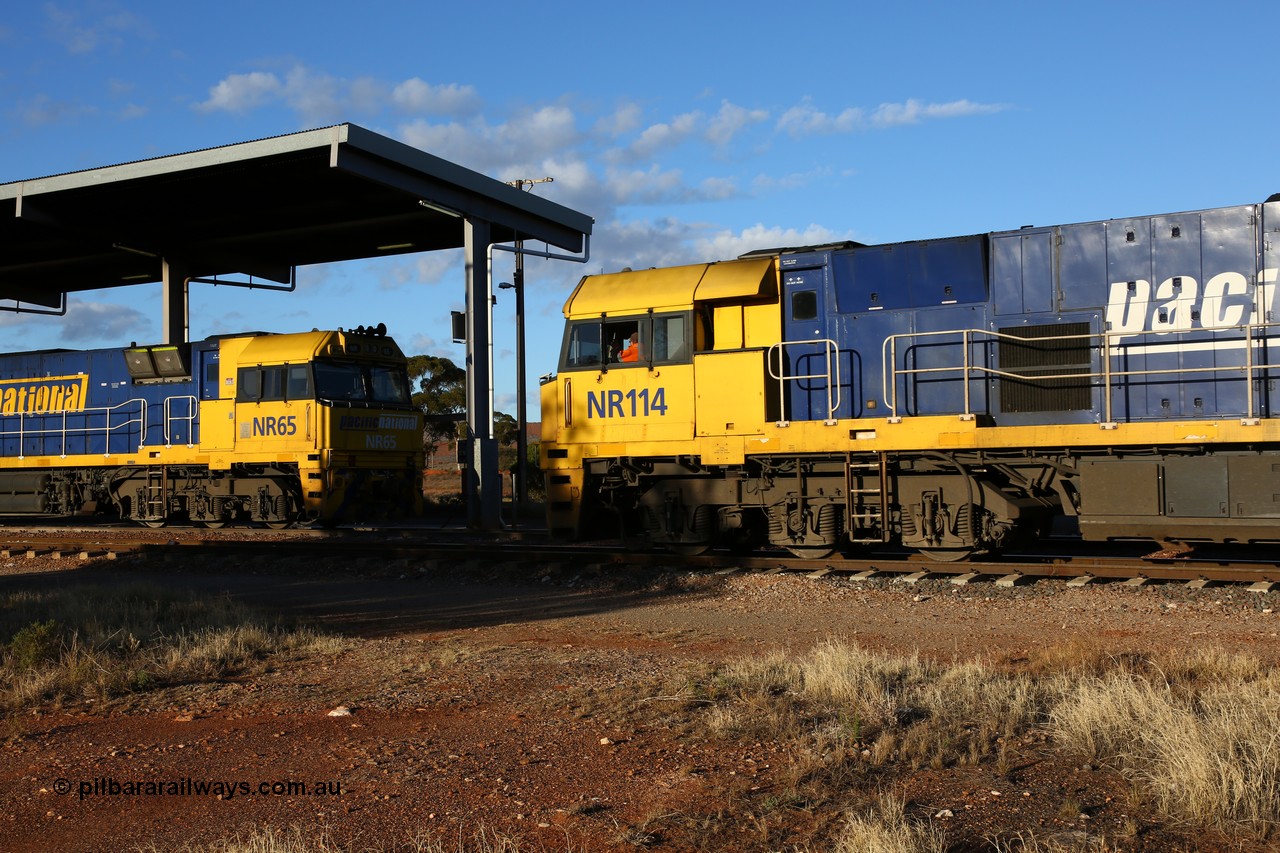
1172, 290
63, 403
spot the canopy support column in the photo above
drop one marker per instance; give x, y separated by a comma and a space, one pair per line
484, 480
175, 303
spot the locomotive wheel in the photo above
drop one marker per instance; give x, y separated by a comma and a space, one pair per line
948, 555
213, 525
688, 549
811, 552
154, 523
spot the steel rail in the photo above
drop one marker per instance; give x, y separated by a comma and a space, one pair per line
462, 547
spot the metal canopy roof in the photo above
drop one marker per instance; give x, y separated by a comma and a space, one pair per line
255, 208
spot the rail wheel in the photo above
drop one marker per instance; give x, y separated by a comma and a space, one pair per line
948, 555
154, 522
811, 552
688, 549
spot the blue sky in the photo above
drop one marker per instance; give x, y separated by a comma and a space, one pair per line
690, 131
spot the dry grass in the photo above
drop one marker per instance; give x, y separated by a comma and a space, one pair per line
296, 840
1199, 734
888, 830
840, 697
1031, 843
101, 642
1196, 733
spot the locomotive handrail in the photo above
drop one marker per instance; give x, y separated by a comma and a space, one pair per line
193, 411
832, 353
22, 432
1106, 340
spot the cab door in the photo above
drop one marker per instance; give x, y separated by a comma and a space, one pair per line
805, 361
214, 429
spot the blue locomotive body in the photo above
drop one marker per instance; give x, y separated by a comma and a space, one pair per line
1148, 315
58, 403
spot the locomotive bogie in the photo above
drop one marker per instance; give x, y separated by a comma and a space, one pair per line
953, 396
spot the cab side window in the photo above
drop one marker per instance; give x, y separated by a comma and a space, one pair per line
628, 341
581, 345
624, 343
299, 382
670, 339
248, 384
270, 383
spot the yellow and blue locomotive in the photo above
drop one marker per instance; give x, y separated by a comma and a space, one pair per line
952, 396
268, 428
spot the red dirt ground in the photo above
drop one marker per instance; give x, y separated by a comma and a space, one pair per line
545, 710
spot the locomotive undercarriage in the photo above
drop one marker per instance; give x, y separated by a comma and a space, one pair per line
948, 505
155, 495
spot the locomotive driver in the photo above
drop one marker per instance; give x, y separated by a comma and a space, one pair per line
632, 350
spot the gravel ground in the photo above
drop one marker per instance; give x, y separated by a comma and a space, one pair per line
539, 705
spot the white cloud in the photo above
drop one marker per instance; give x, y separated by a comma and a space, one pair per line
420, 97
420, 344
624, 119
612, 165
731, 119
913, 112
437, 267
723, 245
318, 98
794, 180
321, 98
367, 95
102, 324
41, 110
451, 141
646, 186
240, 93
805, 119
642, 244
664, 135
493, 149
79, 34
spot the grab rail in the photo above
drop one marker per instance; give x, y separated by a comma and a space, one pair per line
193, 413
1107, 341
832, 354
134, 413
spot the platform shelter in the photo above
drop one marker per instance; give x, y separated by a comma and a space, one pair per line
250, 214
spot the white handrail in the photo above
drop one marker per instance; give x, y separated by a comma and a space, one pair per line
136, 417
832, 354
1107, 341
193, 413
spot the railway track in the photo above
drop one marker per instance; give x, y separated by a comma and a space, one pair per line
1072, 562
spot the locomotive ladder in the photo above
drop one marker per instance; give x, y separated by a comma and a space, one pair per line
867, 487
157, 492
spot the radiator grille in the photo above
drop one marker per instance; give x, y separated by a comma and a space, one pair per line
1038, 357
